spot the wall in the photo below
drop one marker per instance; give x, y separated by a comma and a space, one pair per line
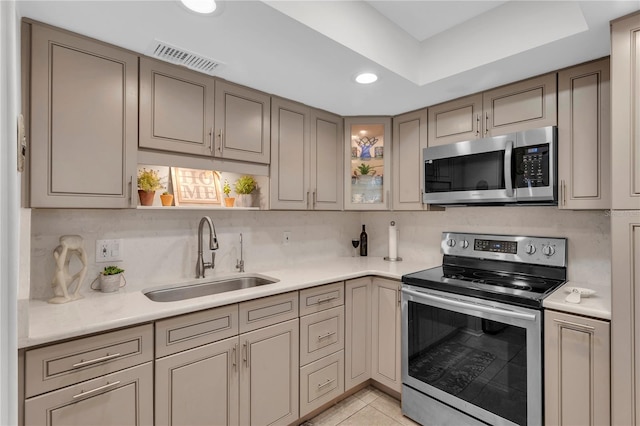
160, 246
588, 233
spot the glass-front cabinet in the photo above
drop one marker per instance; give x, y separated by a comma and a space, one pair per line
367, 163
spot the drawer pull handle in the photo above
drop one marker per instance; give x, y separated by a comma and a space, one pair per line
324, 336
326, 299
107, 357
329, 381
83, 394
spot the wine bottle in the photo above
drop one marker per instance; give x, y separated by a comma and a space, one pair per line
363, 242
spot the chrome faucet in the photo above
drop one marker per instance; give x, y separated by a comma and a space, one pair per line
240, 263
201, 265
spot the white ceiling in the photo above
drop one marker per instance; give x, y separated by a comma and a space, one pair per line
425, 52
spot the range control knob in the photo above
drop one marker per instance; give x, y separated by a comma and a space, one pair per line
530, 249
548, 251
451, 242
464, 244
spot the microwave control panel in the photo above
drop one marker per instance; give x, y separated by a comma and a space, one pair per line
532, 166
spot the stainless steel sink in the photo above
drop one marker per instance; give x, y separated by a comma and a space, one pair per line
173, 294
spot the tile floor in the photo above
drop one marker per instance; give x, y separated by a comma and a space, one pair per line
364, 408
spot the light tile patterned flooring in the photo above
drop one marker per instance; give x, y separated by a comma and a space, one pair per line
365, 408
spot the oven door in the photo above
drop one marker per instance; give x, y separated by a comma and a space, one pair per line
480, 357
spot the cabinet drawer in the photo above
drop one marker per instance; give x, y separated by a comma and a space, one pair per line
121, 398
321, 381
67, 363
267, 311
188, 331
320, 298
321, 334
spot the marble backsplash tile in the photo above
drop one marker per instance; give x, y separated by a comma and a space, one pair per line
160, 246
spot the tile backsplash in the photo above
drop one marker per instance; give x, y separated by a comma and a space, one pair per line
160, 246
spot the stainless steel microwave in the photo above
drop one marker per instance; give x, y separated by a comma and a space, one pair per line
517, 168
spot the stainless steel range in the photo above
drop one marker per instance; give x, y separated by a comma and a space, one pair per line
472, 330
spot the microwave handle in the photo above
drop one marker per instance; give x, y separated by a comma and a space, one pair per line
508, 183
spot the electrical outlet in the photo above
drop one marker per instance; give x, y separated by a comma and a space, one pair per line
109, 250
286, 237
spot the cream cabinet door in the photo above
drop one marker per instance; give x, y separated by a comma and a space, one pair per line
199, 386
269, 374
121, 398
584, 147
325, 162
385, 320
176, 108
528, 104
625, 112
357, 365
84, 122
242, 118
625, 317
576, 364
409, 139
456, 121
290, 146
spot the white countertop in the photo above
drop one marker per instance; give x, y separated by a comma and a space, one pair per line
98, 312
596, 306
103, 311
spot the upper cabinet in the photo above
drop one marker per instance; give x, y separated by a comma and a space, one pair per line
455, 121
306, 160
409, 139
584, 144
367, 142
242, 120
520, 106
176, 108
625, 112
189, 112
84, 121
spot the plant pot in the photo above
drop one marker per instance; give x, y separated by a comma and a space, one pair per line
245, 200
146, 197
110, 283
229, 201
167, 199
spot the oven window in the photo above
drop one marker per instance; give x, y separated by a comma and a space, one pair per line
466, 173
477, 360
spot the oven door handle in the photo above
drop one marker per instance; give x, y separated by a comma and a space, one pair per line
461, 304
508, 182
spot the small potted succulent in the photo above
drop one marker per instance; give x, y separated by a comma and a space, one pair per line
111, 279
245, 186
148, 184
166, 198
226, 188
366, 173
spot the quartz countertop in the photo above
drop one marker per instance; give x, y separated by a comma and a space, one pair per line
98, 312
596, 306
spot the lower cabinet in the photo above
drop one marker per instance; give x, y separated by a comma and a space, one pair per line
385, 333
269, 375
357, 353
199, 386
121, 398
576, 364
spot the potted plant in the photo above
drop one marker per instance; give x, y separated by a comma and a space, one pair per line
245, 186
148, 184
226, 188
366, 175
166, 198
110, 279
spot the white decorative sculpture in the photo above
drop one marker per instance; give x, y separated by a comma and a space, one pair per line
62, 280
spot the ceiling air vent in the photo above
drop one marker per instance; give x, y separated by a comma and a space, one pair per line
176, 55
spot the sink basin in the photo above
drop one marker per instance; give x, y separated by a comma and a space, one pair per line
172, 294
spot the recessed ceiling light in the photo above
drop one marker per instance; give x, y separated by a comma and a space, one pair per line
200, 6
366, 78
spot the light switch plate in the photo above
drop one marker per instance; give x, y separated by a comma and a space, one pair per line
108, 250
